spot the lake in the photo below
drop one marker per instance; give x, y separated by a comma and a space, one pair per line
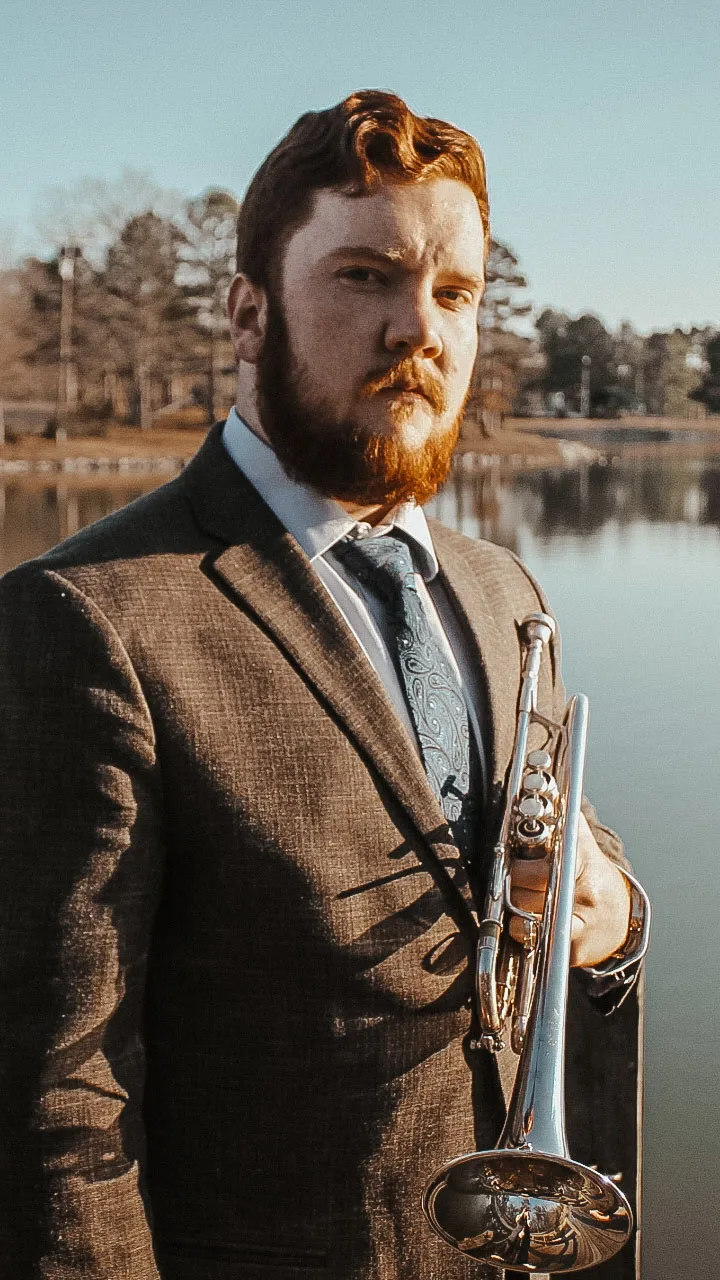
628, 553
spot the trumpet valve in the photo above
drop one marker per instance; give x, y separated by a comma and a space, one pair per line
536, 809
532, 830
540, 783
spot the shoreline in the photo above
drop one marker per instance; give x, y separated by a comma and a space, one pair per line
129, 454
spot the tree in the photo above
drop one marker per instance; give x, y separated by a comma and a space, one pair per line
504, 281
501, 350
147, 311
16, 378
41, 288
35, 320
92, 212
208, 255
708, 392
670, 379
629, 360
81, 223
564, 343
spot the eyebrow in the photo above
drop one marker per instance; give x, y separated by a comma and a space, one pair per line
392, 257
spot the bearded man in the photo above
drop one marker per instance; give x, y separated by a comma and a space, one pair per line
243, 847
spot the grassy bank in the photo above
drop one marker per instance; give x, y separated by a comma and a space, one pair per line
171, 443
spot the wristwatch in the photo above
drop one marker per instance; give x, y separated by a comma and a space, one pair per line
619, 972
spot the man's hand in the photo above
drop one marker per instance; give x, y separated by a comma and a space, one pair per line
602, 900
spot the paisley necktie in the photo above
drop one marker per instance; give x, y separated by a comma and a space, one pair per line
383, 565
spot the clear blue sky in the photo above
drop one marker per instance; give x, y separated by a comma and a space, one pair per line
600, 120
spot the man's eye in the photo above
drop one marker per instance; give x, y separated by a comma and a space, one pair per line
459, 297
361, 275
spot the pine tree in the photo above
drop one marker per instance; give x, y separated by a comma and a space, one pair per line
147, 312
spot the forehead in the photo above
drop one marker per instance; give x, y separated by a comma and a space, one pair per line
434, 223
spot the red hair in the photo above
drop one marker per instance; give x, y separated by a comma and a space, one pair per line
370, 137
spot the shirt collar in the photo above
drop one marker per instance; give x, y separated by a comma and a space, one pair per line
316, 522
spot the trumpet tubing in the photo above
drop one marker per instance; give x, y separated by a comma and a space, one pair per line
526, 1204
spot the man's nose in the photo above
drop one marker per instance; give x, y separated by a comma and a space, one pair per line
412, 326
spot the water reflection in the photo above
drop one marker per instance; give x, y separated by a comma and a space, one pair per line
34, 514
484, 501
490, 502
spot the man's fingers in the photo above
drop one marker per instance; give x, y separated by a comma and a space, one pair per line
602, 899
517, 927
529, 878
528, 881
530, 873
526, 900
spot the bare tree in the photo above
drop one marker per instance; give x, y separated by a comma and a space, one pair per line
92, 212
60, 351
208, 258
16, 376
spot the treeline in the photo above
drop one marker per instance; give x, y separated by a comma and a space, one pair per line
126, 331
671, 374
130, 322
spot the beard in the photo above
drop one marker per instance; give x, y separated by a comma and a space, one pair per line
348, 460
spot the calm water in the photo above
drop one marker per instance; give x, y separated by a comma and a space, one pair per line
628, 554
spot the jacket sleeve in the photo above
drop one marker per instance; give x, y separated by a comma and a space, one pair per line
80, 869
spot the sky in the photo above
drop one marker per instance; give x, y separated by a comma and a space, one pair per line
600, 121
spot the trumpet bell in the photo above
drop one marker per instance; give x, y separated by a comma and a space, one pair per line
528, 1210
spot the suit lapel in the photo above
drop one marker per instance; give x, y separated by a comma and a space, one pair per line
262, 567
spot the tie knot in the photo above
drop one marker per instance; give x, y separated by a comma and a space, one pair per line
384, 563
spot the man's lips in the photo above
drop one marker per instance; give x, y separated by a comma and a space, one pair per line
396, 387
404, 391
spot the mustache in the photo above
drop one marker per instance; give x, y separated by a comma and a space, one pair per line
408, 375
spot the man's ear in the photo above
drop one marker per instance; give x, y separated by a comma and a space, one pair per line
247, 313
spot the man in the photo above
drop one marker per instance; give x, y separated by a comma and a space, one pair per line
240, 892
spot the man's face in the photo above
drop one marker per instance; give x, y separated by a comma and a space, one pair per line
369, 349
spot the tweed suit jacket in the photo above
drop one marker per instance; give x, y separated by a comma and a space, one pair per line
235, 935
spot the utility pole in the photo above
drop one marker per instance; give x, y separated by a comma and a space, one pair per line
585, 387
66, 385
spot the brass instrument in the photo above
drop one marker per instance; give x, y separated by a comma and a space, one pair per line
527, 1205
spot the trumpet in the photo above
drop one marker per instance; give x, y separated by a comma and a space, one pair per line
526, 1204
